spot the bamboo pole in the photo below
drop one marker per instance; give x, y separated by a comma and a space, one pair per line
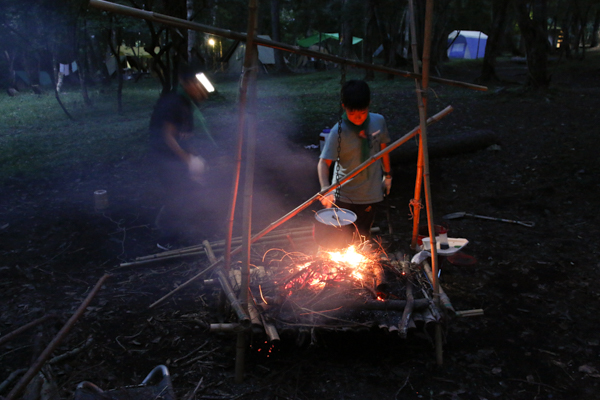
416, 201
188, 25
428, 201
197, 252
250, 65
39, 363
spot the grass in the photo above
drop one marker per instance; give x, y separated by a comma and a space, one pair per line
37, 140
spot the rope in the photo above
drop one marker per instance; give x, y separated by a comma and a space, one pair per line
414, 205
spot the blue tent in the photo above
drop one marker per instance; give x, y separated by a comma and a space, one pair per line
466, 44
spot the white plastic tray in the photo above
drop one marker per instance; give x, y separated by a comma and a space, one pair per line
455, 244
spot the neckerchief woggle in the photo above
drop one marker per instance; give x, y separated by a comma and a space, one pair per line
197, 114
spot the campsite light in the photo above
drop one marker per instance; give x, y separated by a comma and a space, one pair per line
205, 82
211, 42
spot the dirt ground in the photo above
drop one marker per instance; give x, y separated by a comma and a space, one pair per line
538, 337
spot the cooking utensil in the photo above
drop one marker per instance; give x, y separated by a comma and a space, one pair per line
456, 215
334, 227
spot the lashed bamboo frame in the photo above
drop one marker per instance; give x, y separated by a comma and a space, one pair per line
425, 78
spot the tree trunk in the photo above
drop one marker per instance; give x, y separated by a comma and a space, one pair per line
280, 65
499, 17
83, 66
346, 30
535, 35
595, 30
192, 35
367, 49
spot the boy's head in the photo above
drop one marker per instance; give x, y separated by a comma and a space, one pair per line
356, 97
188, 78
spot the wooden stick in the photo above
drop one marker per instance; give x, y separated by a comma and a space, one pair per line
11, 335
209, 252
39, 363
226, 328
443, 296
235, 303
410, 300
184, 24
478, 312
317, 196
158, 257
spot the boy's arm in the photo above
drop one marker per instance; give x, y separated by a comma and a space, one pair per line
387, 172
385, 159
323, 171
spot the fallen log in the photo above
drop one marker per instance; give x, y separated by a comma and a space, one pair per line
446, 146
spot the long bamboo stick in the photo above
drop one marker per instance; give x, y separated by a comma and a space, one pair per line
317, 196
184, 24
39, 363
416, 201
220, 243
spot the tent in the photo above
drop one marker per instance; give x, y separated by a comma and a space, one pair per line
466, 44
234, 56
320, 37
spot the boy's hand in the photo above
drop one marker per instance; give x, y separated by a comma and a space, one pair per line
386, 184
327, 200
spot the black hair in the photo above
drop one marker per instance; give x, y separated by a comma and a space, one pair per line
356, 95
186, 73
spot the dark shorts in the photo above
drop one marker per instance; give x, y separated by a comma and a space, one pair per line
365, 215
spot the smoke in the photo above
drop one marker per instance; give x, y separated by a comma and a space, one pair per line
285, 173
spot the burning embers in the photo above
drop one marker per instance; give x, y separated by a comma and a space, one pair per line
339, 268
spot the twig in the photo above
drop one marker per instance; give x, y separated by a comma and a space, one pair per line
190, 353
11, 378
402, 387
200, 357
191, 396
536, 383
70, 353
11, 335
39, 363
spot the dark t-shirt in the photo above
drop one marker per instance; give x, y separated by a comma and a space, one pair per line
175, 109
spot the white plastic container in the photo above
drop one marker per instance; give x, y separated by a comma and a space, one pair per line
455, 244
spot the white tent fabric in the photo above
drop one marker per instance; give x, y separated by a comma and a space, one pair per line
466, 44
236, 61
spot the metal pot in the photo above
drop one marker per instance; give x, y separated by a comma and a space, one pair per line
334, 228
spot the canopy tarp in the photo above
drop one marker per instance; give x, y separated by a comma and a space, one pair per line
319, 37
136, 51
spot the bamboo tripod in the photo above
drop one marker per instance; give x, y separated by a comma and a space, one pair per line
247, 122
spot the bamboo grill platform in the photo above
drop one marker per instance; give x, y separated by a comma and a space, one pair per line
393, 296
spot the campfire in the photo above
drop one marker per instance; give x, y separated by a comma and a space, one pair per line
355, 288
